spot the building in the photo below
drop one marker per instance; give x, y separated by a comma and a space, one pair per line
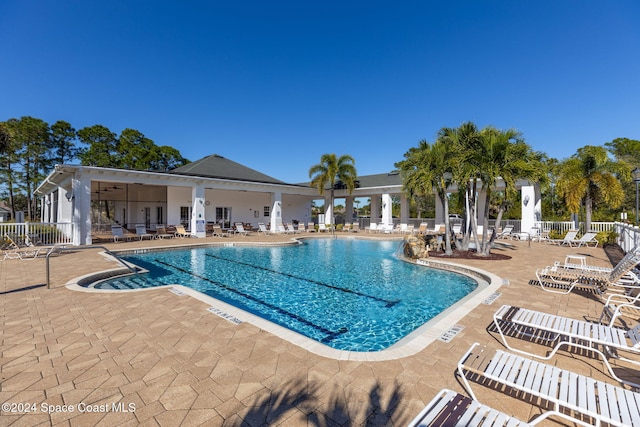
212, 190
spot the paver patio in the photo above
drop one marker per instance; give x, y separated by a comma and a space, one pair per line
167, 361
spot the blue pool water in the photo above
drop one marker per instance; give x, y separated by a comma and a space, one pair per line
348, 294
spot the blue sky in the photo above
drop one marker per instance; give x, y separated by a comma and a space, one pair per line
273, 85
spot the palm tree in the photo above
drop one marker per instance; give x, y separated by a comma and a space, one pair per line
503, 155
330, 170
426, 168
589, 176
465, 140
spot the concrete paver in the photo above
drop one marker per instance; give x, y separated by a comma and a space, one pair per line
158, 359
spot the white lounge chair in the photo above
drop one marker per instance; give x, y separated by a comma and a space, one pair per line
119, 233
449, 408
216, 231
262, 228
560, 279
588, 239
161, 233
311, 228
301, 227
141, 232
240, 229
355, 228
506, 232
322, 227
291, 229
181, 232
564, 390
373, 228
570, 333
569, 239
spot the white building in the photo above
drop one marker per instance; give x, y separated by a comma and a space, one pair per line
210, 190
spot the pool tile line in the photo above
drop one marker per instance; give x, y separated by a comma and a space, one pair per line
388, 303
330, 335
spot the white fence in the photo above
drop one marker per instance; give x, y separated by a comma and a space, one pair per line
628, 236
59, 233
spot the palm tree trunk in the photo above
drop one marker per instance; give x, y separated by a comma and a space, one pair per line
588, 207
447, 227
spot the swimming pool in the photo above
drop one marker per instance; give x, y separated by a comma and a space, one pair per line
348, 294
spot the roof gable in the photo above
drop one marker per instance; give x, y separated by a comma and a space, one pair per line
216, 166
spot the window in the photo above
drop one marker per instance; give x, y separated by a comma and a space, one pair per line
267, 211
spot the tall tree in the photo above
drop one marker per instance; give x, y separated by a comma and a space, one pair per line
63, 137
625, 150
502, 155
590, 176
331, 169
429, 167
8, 160
167, 158
101, 147
466, 138
31, 136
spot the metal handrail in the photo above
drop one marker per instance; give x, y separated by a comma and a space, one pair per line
77, 248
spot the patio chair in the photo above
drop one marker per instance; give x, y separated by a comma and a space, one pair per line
347, 227
373, 228
570, 333
141, 232
240, 229
181, 232
301, 227
322, 227
410, 229
422, 229
617, 305
161, 233
262, 228
587, 239
311, 228
290, 229
621, 279
564, 390
449, 408
569, 239
355, 228
119, 233
216, 230
506, 232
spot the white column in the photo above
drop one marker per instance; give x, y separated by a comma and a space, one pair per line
528, 205
80, 196
387, 216
198, 223
276, 211
404, 208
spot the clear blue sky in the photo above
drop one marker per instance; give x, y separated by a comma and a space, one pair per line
273, 84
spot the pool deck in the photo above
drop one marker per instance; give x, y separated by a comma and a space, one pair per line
173, 363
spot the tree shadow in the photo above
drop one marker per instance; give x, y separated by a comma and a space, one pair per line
381, 407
